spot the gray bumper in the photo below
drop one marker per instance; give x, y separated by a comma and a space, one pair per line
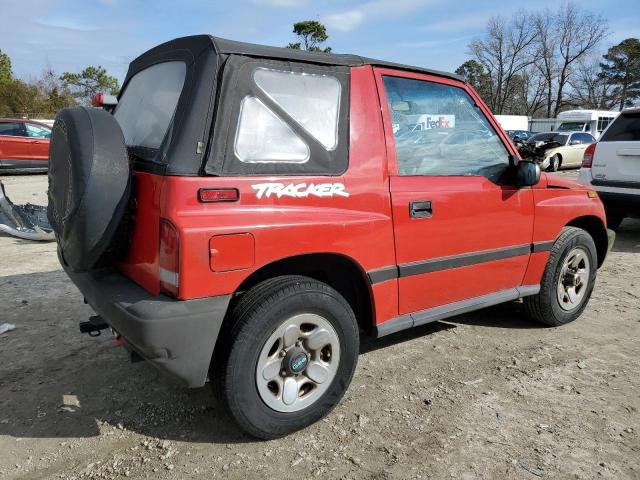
176, 336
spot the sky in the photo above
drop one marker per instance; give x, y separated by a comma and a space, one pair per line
71, 34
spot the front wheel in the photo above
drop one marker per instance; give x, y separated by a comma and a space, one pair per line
291, 353
554, 163
567, 281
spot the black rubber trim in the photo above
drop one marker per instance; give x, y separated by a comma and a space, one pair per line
615, 183
454, 261
463, 260
383, 274
445, 311
538, 247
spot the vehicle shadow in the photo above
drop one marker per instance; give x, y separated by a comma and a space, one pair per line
628, 236
57, 383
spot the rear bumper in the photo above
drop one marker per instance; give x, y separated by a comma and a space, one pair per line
176, 336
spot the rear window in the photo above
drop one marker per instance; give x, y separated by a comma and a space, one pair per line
147, 105
625, 128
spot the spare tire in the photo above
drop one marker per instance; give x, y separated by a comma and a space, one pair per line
89, 184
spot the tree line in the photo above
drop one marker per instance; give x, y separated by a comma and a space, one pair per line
49, 93
541, 63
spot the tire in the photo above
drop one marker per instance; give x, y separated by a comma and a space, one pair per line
89, 187
258, 405
555, 163
546, 307
614, 220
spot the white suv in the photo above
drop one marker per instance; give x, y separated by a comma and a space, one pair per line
612, 167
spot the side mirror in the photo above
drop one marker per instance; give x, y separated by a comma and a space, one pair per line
527, 174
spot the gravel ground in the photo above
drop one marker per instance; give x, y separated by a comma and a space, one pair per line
483, 395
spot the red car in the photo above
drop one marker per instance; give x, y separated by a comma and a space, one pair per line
248, 212
24, 145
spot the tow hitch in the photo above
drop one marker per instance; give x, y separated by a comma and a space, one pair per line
94, 326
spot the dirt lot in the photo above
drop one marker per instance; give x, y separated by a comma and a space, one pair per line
484, 395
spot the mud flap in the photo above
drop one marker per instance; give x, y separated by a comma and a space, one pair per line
24, 221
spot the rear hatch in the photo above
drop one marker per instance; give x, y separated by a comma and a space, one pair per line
616, 163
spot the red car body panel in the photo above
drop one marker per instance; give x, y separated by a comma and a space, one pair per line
371, 227
22, 152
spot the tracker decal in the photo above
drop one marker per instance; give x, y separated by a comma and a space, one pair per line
299, 190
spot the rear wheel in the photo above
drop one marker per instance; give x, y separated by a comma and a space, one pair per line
567, 281
291, 350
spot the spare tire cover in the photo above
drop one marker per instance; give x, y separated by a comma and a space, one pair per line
89, 184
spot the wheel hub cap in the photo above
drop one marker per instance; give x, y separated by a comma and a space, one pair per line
574, 279
297, 363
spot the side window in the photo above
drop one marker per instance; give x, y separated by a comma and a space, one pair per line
585, 138
36, 131
312, 101
262, 137
439, 131
575, 139
13, 129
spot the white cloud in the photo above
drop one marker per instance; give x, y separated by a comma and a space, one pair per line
346, 21
284, 3
352, 19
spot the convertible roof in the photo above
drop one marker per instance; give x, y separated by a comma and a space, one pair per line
223, 45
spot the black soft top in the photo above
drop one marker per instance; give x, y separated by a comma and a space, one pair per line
189, 133
223, 46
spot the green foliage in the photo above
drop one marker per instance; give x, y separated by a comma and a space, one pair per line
88, 82
621, 68
41, 98
311, 34
475, 74
5, 67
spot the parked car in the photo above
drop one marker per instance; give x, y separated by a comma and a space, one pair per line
556, 150
519, 135
247, 213
612, 167
24, 145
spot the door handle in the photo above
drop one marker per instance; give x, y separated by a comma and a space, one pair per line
420, 209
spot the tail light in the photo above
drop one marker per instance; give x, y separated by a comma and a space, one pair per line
587, 160
169, 258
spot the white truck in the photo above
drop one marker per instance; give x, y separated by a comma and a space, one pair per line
591, 121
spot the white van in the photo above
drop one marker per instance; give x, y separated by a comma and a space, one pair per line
612, 167
592, 121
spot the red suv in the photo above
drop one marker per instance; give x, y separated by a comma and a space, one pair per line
24, 145
247, 212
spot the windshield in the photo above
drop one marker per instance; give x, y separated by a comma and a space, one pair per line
549, 137
148, 103
571, 127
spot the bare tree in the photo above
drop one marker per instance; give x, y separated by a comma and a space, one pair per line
546, 59
579, 32
504, 53
589, 89
532, 58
